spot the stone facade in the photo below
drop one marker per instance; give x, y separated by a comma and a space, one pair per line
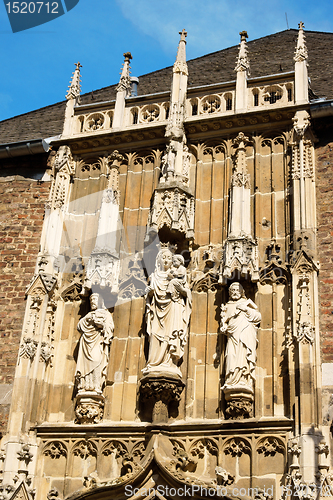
174, 340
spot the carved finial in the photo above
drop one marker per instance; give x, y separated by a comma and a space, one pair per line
243, 63
125, 80
183, 35
301, 53
74, 88
128, 56
180, 64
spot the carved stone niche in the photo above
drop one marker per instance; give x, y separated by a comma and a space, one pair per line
159, 392
89, 410
172, 210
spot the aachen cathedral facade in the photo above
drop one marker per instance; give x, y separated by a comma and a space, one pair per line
167, 281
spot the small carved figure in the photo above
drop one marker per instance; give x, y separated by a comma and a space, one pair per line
96, 330
240, 319
168, 162
168, 310
177, 274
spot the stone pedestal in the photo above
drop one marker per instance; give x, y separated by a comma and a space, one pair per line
160, 390
89, 408
239, 403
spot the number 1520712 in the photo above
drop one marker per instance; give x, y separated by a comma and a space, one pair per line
32, 7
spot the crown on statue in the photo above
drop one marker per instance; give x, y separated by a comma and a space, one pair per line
168, 246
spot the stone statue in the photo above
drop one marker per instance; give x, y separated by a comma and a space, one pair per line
168, 163
168, 310
240, 319
96, 330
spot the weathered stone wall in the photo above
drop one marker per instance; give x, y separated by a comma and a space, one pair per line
22, 211
324, 194
324, 171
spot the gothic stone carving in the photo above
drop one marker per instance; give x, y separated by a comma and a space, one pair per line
239, 321
275, 271
28, 348
241, 250
89, 410
134, 282
161, 390
53, 494
240, 254
24, 455
305, 329
236, 447
223, 477
239, 408
169, 306
96, 330
173, 207
270, 446
102, 270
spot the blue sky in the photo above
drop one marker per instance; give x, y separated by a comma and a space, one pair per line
37, 64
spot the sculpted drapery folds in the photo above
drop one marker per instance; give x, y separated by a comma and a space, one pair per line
240, 320
96, 330
168, 310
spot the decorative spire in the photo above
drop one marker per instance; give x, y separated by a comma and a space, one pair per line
301, 69
243, 63
180, 65
301, 53
124, 84
175, 128
74, 88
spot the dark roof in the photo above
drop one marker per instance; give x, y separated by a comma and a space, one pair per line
268, 55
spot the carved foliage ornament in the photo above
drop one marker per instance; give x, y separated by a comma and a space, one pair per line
84, 449
209, 282
114, 448
24, 455
236, 447
270, 446
55, 450
239, 408
200, 448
